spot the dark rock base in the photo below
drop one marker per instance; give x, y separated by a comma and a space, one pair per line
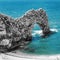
47, 34
16, 45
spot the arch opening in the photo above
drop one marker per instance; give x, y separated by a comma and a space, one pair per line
36, 30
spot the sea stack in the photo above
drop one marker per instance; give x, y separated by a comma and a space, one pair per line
18, 32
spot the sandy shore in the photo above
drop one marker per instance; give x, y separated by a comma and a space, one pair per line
24, 56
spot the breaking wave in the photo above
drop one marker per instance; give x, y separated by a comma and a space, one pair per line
39, 32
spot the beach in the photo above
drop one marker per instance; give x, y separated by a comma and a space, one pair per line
23, 56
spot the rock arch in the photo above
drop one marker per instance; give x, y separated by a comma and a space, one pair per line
21, 29
34, 16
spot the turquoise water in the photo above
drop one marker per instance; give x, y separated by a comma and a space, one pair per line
50, 45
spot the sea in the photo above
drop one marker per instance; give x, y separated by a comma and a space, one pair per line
38, 45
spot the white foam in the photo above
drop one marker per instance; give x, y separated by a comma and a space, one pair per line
54, 30
39, 32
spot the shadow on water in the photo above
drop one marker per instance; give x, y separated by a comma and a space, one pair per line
44, 46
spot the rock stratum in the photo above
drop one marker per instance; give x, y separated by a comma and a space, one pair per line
18, 32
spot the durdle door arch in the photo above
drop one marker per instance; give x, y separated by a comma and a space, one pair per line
19, 31
35, 16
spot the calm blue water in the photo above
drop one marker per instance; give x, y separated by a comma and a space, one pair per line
50, 45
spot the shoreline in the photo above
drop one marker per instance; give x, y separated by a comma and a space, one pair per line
21, 55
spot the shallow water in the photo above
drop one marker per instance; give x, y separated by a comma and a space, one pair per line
50, 45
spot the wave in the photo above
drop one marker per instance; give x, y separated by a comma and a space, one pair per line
39, 32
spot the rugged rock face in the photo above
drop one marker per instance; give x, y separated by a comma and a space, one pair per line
27, 21
17, 32
9, 36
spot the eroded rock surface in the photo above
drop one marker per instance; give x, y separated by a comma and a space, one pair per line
17, 32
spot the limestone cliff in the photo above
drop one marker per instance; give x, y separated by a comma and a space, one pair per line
18, 32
